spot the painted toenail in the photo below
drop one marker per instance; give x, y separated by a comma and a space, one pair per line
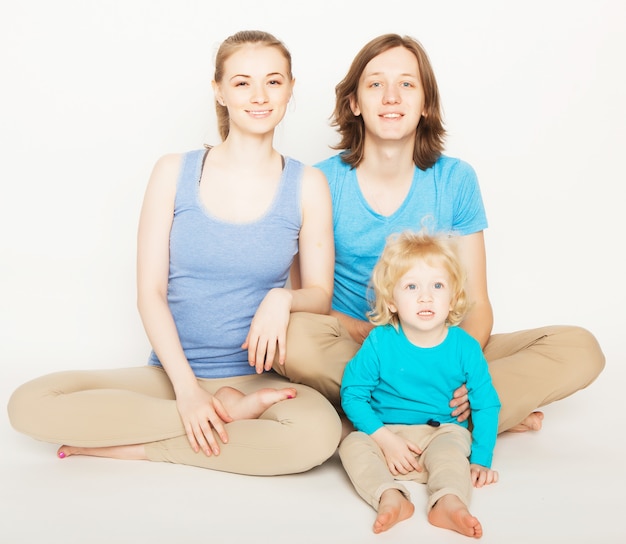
61, 454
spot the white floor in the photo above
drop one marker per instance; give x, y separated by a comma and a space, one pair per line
563, 484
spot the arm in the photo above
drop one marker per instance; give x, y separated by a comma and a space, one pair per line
479, 321
312, 287
357, 328
199, 410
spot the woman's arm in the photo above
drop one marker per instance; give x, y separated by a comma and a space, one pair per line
312, 277
199, 410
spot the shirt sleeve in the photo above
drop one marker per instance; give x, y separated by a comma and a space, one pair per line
361, 376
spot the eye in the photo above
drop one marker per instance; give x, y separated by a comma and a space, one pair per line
375, 84
438, 285
407, 84
274, 82
411, 287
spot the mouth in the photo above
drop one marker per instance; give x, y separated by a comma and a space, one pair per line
426, 313
391, 115
258, 113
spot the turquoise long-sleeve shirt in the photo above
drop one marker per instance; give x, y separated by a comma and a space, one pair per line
392, 381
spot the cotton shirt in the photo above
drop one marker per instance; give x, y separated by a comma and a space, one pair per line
443, 198
392, 381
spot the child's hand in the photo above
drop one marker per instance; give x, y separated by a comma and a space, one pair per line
481, 476
400, 454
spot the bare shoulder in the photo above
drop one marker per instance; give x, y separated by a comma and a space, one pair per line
314, 183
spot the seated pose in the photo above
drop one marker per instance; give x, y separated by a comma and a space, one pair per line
218, 232
392, 176
397, 388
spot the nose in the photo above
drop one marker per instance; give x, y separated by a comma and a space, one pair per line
259, 94
391, 95
424, 295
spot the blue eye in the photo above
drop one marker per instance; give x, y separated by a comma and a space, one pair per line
438, 285
411, 287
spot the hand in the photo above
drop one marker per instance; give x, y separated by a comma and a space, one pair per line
482, 476
460, 403
400, 453
268, 330
202, 414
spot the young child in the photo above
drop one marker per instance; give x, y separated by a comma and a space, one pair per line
397, 388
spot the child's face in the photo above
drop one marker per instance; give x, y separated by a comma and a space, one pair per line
423, 299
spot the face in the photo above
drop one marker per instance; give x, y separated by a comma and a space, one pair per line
422, 298
256, 88
390, 96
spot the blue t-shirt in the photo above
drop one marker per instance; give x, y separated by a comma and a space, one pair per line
220, 271
392, 381
443, 198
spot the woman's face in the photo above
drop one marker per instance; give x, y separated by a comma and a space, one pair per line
390, 96
256, 88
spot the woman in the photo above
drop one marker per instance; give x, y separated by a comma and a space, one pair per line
392, 176
218, 231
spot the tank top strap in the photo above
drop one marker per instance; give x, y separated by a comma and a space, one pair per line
190, 173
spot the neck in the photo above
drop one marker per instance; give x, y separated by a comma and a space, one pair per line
388, 161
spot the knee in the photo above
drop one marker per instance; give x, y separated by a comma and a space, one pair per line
588, 351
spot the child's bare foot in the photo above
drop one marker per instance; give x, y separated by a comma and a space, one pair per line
532, 423
449, 512
393, 508
132, 452
240, 406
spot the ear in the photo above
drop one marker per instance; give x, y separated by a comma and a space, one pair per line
392, 308
354, 106
217, 93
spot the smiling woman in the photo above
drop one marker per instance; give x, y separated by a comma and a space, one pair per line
218, 232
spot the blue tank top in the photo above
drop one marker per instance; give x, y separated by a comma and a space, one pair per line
220, 272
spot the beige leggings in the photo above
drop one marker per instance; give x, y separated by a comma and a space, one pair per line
445, 450
97, 408
529, 369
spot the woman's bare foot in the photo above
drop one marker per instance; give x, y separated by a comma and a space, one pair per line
393, 508
533, 422
240, 406
449, 512
132, 452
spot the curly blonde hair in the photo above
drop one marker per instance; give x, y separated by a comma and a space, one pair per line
400, 253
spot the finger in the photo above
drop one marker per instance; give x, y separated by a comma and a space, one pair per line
269, 356
192, 438
460, 408
221, 411
261, 350
210, 443
282, 349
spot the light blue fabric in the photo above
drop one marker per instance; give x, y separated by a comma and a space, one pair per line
392, 381
445, 197
220, 272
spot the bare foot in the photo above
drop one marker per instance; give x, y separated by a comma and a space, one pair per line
532, 423
240, 406
393, 508
132, 452
449, 512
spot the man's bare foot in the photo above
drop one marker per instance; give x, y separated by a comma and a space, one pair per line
393, 508
240, 406
533, 422
449, 512
132, 452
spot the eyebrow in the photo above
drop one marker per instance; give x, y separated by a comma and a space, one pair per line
271, 74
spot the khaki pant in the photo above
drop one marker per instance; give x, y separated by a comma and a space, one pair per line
529, 369
137, 406
446, 470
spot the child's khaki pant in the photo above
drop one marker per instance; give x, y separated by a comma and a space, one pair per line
445, 450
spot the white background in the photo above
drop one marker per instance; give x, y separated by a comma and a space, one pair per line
92, 93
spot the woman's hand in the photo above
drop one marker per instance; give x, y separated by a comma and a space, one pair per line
482, 476
400, 453
202, 414
460, 403
268, 330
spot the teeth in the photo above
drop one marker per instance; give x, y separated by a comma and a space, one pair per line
391, 115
